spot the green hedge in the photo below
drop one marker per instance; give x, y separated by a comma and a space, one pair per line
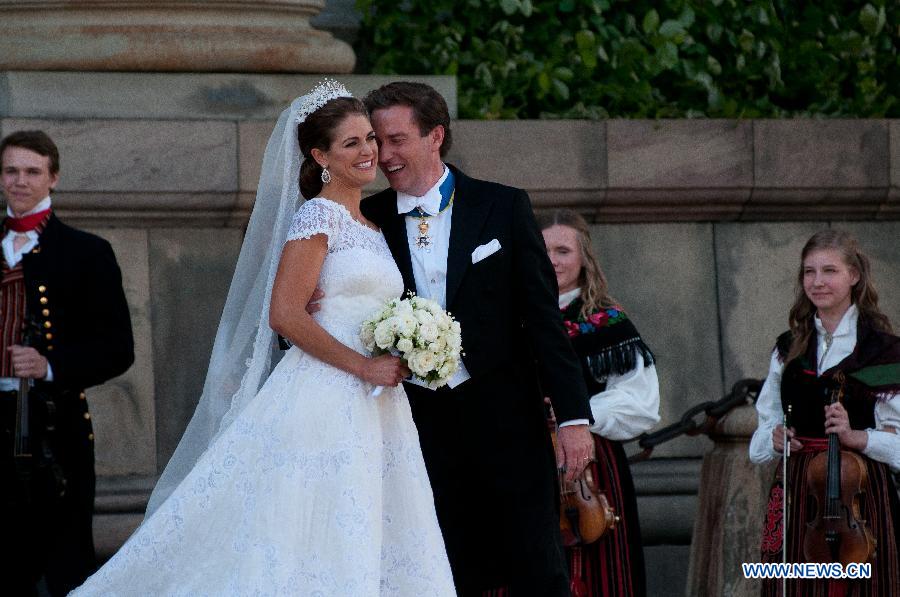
657, 59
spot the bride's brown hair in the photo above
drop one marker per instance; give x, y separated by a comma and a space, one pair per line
317, 132
863, 293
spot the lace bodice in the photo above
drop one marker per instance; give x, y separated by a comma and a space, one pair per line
358, 274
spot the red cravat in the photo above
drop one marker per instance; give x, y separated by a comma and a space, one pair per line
26, 223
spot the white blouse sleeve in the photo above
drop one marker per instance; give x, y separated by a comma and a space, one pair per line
630, 404
315, 216
769, 414
884, 446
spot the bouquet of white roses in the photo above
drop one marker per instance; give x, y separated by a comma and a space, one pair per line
421, 333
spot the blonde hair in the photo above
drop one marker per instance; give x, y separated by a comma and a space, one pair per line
594, 289
863, 293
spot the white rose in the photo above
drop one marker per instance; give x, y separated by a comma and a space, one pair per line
454, 341
406, 324
367, 336
432, 307
421, 362
454, 327
423, 316
438, 345
447, 369
384, 335
404, 345
428, 332
404, 307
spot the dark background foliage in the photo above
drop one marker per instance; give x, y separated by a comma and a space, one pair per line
644, 59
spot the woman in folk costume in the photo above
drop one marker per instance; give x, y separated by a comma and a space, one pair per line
298, 481
621, 378
839, 341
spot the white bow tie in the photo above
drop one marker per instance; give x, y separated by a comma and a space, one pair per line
430, 203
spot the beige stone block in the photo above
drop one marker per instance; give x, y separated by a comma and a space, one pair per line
147, 156
191, 270
756, 268
149, 210
815, 204
669, 205
819, 169
894, 128
680, 154
176, 96
879, 240
890, 210
123, 408
673, 170
821, 154
552, 156
663, 274
252, 139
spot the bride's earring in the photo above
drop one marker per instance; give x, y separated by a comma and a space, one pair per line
326, 175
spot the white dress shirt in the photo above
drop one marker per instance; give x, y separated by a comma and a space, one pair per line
13, 257
429, 264
629, 405
883, 446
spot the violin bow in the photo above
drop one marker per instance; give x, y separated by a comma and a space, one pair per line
785, 454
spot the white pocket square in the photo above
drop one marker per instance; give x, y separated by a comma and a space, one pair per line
485, 250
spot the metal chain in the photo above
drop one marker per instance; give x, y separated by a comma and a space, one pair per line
698, 419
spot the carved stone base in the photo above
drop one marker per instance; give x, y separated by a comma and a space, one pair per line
170, 35
728, 527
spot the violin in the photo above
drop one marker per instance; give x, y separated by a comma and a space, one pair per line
22, 443
584, 513
837, 482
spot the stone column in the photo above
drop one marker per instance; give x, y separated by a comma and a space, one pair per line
728, 526
169, 35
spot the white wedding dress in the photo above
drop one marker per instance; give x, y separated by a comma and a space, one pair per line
316, 488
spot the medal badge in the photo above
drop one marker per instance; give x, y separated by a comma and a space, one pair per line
423, 241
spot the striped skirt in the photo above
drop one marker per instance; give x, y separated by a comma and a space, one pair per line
881, 508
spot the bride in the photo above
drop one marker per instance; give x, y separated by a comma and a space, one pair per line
299, 483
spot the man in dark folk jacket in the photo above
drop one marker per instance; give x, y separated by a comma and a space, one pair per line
65, 326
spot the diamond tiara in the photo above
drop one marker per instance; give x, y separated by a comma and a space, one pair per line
321, 94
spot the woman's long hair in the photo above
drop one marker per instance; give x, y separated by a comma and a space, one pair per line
594, 289
863, 293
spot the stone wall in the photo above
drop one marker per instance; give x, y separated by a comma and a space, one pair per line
698, 225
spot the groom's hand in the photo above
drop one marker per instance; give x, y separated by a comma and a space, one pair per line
577, 447
313, 305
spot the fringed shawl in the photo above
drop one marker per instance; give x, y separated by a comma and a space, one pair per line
606, 341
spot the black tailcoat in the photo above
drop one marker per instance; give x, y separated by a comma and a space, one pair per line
73, 288
485, 443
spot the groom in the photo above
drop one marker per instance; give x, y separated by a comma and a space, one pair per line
473, 246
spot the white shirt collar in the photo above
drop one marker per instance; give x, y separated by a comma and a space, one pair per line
430, 202
567, 297
43, 205
846, 327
